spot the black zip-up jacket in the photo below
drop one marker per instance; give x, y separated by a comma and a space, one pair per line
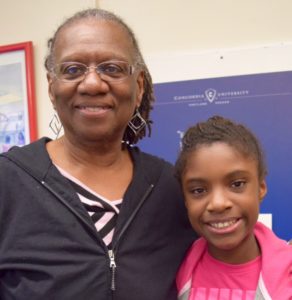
50, 249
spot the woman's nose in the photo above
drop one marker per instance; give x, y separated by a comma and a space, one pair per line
92, 83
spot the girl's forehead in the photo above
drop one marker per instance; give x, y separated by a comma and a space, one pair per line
223, 146
218, 157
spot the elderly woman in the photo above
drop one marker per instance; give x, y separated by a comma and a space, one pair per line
88, 215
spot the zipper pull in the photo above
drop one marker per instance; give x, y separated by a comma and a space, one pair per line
113, 269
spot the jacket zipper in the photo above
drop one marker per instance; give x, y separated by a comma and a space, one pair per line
111, 253
113, 269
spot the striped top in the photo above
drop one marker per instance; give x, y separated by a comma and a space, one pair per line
103, 212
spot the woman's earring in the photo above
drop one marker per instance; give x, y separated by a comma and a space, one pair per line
56, 125
137, 123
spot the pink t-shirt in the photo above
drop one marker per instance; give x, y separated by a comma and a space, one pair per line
215, 280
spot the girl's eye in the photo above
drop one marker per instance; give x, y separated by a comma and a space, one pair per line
199, 191
238, 184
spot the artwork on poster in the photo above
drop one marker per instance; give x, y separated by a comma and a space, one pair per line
17, 98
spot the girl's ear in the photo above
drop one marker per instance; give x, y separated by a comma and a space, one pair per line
263, 190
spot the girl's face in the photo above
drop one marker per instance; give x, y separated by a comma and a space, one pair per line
222, 194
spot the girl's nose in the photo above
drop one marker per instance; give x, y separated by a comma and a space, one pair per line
218, 201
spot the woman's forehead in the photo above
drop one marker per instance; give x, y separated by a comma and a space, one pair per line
93, 35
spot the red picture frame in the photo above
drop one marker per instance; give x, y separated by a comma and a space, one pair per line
17, 96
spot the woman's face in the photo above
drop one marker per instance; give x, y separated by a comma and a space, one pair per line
94, 109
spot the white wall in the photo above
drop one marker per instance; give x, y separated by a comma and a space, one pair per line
165, 29
193, 39
164, 26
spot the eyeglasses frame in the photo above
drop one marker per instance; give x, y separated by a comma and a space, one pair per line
132, 69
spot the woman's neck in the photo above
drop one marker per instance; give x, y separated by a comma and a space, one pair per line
64, 152
107, 171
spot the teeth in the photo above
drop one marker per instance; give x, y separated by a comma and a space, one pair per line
93, 109
221, 225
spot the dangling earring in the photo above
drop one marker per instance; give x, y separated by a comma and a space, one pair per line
56, 125
137, 123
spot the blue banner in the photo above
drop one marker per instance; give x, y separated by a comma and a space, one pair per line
263, 102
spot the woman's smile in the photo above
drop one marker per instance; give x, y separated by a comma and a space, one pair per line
94, 110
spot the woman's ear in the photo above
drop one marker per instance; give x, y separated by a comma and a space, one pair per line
263, 189
140, 88
50, 92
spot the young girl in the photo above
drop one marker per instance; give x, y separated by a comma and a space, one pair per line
222, 172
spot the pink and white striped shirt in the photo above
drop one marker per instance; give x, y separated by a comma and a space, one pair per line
102, 211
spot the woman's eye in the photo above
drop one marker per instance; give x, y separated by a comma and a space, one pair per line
73, 70
112, 69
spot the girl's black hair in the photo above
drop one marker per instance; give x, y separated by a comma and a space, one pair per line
219, 129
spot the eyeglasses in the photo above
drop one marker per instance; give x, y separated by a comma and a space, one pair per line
111, 71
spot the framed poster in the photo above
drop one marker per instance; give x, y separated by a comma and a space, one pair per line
17, 96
